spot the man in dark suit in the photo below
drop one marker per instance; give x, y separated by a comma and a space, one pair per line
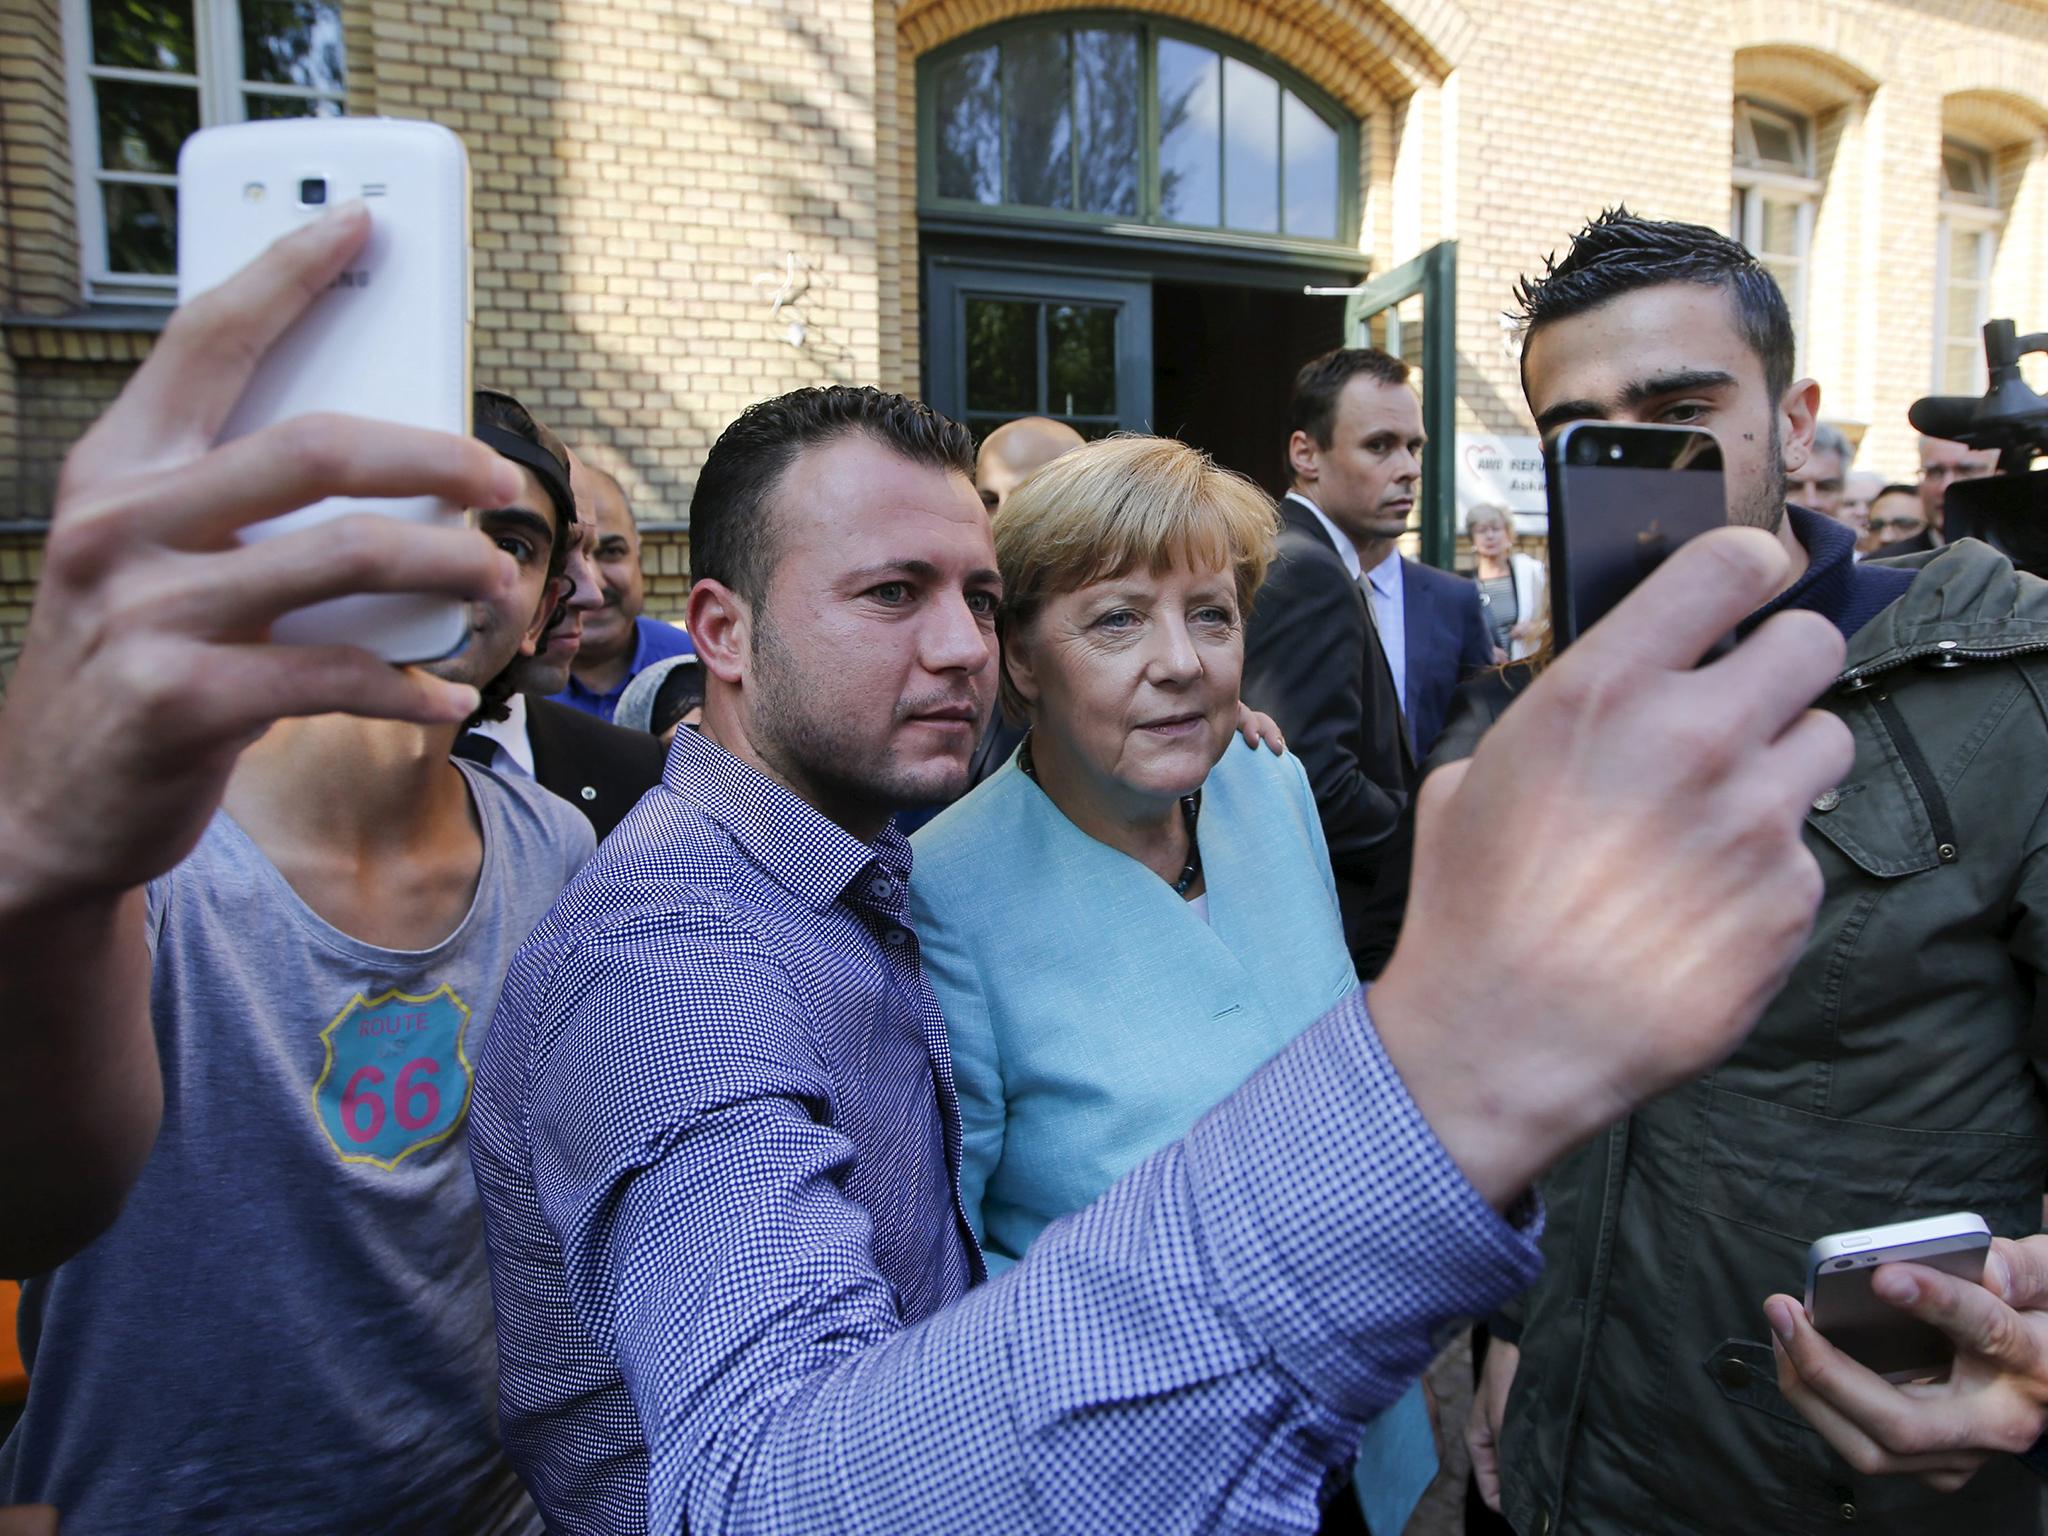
1444, 635
600, 768
1313, 659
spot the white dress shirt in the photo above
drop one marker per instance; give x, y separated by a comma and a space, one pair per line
1384, 592
515, 748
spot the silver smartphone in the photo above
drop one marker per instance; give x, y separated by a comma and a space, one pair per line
388, 340
1866, 1328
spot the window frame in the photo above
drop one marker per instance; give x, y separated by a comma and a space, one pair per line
1984, 219
1753, 180
222, 85
1150, 30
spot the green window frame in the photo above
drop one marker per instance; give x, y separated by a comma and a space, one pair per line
1150, 33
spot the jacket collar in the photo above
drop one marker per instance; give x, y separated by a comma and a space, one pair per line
1968, 603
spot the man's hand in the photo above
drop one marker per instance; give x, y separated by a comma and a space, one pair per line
1606, 896
1995, 1399
1259, 730
146, 669
1489, 1412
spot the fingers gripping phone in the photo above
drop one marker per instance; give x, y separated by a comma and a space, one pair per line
388, 340
1622, 497
1865, 1327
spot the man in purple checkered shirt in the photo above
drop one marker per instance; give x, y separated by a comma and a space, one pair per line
715, 1128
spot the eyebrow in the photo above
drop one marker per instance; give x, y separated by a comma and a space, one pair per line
524, 516
921, 570
1655, 387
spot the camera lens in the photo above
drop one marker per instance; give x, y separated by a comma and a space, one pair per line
313, 191
1586, 450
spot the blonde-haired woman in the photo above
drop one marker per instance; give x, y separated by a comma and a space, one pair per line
1512, 585
1132, 914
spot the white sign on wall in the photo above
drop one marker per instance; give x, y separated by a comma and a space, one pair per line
1504, 470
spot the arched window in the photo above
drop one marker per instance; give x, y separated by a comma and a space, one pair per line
1111, 120
1968, 236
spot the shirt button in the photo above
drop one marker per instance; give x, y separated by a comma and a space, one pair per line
896, 938
1734, 1375
1828, 801
588, 792
883, 888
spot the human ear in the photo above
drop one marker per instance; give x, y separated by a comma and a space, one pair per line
720, 622
1304, 457
1798, 415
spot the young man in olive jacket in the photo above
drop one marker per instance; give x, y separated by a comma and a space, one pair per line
1895, 1076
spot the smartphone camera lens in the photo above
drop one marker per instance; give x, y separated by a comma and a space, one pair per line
313, 191
1586, 450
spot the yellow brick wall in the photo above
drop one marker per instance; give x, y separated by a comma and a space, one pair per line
649, 173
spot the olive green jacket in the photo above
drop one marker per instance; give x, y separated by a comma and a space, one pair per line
1896, 1076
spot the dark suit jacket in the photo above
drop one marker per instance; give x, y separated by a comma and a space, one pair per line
600, 768
1447, 642
1312, 662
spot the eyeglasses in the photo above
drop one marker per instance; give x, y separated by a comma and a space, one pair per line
1903, 524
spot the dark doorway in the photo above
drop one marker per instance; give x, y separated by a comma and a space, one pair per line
1222, 361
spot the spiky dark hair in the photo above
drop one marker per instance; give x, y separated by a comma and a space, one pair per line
1620, 252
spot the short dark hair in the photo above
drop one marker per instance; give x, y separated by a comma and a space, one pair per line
496, 409
1312, 407
730, 539
1619, 253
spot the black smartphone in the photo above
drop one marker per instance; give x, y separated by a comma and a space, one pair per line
1622, 497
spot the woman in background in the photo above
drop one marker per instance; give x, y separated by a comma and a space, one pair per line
1512, 585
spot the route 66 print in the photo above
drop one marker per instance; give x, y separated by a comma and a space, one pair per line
396, 1078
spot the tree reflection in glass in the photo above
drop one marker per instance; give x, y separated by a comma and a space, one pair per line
1107, 104
293, 42
142, 229
1081, 360
970, 127
1041, 127
1190, 133
1002, 355
141, 126
144, 34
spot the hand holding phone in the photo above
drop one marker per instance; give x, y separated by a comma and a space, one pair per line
1865, 1327
387, 339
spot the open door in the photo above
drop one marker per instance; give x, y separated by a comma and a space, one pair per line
1412, 312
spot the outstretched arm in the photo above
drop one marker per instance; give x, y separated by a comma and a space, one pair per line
145, 673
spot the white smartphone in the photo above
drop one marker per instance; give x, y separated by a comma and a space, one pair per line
1865, 1327
389, 339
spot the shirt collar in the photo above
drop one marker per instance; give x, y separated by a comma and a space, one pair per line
1346, 550
511, 734
1386, 576
803, 849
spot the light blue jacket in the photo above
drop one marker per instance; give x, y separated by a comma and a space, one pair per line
1094, 1016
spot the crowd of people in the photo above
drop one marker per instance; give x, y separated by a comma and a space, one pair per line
1046, 1003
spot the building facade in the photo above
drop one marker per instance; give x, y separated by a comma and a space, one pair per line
1114, 214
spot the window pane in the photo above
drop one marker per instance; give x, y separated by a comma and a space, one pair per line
1961, 313
1081, 361
1775, 142
1251, 150
142, 225
1967, 250
1041, 127
258, 106
1312, 190
1190, 120
1778, 229
1106, 106
1002, 355
970, 127
145, 34
1962, 368
292, 42
141, 126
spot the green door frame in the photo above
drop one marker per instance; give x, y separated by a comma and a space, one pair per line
1433, 275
